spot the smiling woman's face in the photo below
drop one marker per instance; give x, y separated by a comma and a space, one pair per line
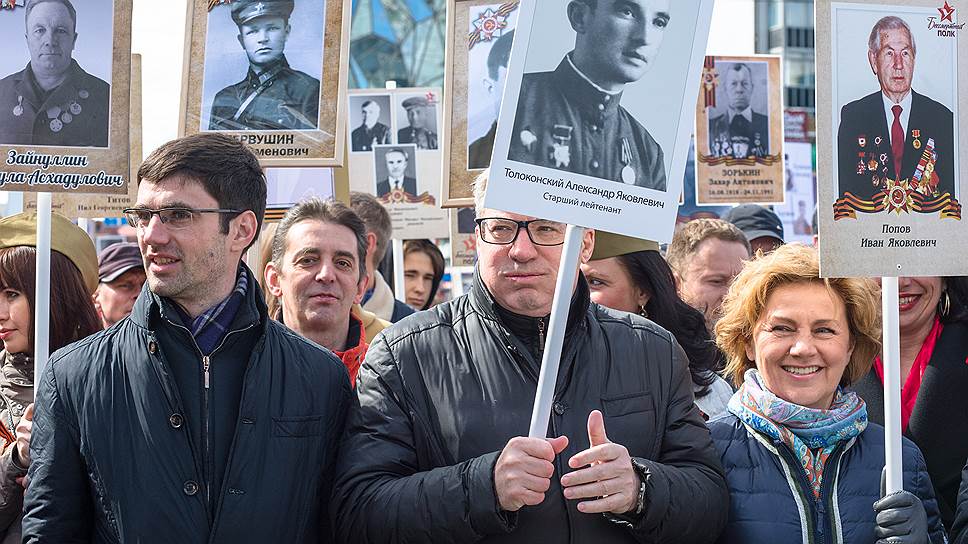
801, 344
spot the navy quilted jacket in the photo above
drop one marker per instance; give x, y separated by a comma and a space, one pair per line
770, 499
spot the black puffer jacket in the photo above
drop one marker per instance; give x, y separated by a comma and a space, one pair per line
114, 447
441, 393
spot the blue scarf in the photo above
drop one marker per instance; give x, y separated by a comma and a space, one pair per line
811, 434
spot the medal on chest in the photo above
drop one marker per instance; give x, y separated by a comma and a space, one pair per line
561, 146
628, 173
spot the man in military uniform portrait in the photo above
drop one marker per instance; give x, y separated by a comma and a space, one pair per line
53, 101
371, 132
479, 151
422, 129
396, 161
273, 96
571, 118
895, 134
739, 132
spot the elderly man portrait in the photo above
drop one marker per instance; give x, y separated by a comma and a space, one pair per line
318, 272
739, 132
272, 96
895, 133
479, 151
397, 161
53, 101
572, 119
443, 405
371, 131
421, 129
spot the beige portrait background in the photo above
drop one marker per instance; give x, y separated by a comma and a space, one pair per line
770, 167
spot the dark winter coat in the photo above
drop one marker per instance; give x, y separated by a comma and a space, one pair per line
442, 392
761, 472
116, 450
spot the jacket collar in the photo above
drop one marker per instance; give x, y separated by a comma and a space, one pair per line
269, 73
594, 102
518, 324
150, 306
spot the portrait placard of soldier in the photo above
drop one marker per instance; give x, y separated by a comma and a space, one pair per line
62, 96
396, 167
479, 37
65, 78
889, 178
370, 122
272, 75
739, 127
417, 119
404, 177
596, 95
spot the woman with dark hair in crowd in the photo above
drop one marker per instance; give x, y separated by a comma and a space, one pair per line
933, 323
423, 268
629, 274
73, 279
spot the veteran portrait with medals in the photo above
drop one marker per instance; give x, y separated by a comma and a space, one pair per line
272, 96
53, 101
895, 134
421, 129
571, 118
740, 131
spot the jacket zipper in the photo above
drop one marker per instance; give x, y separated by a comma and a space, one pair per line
820, 512
206, 419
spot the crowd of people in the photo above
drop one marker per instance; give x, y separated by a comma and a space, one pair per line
720, 391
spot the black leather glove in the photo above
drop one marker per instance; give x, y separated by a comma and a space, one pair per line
901, 519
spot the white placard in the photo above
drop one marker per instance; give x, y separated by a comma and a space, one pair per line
597, 114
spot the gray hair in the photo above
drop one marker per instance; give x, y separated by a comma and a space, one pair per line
66, 3
480, 186
889, 23
327, 211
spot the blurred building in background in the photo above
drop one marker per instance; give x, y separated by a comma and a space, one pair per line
398, 40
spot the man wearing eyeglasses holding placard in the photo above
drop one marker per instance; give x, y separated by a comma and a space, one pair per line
443, 404
198, 418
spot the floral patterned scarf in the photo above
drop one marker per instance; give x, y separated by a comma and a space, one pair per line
811, 434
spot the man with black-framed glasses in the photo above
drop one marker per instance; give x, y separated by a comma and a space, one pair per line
444, 398
198, 418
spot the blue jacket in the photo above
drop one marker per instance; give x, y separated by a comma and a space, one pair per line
762, 475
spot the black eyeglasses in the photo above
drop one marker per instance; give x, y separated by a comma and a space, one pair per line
173, 218
502, 231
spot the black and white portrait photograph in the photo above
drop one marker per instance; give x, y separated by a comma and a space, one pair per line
417, 119
593, 99
739, 123
55, 73
395, 169
370, 123
599, 104
263, 65
490, 34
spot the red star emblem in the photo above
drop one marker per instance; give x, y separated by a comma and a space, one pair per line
946, 12
431, 97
